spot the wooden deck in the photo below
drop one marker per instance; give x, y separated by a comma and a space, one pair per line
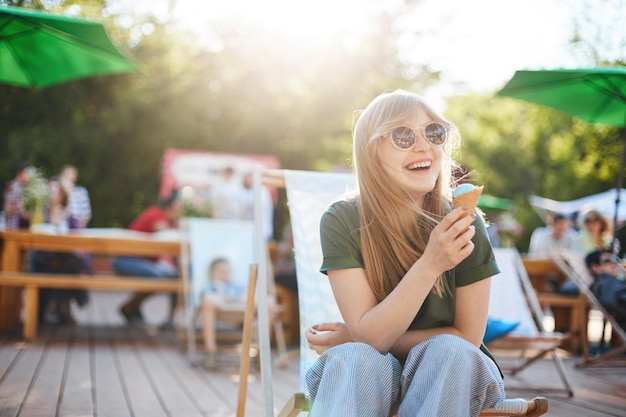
106, 369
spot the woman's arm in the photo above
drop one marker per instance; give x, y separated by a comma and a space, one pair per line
382, 324
470, 319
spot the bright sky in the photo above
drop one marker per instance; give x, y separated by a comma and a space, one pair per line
482, 42
477, 44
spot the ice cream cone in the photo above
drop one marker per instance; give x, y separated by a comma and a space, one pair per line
470, 199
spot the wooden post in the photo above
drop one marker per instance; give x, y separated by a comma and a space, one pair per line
244, 370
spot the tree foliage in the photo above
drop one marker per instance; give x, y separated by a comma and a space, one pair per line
247, 89
248, 96
519, 149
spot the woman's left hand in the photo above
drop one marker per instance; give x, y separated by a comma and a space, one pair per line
323, 336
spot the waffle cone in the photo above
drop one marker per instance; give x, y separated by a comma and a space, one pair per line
470, 199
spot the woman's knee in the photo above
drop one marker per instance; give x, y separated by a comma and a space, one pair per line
448, 341
363, 359
353, 363
432, 348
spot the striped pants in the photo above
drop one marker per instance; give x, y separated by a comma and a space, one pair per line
442, 376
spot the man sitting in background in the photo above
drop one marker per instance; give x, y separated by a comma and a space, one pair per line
559, 234
153, 219
607, 286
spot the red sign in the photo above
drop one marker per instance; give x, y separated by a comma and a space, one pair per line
201, 169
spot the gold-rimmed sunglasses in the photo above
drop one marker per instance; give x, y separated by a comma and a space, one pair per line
403, 137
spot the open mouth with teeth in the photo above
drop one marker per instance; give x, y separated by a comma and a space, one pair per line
420, 166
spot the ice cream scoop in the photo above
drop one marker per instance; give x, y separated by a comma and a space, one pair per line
467, 194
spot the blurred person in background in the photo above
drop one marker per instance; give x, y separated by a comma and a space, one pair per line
594, 233
608, 285
54, 304
153, 219
228, 196
14, 215
220, 292
79, 202
558, 234
267, 205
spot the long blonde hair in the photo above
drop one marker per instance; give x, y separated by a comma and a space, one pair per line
394, 230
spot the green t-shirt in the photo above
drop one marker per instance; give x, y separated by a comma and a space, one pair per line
341, 248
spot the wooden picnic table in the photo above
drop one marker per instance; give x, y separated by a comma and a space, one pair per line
113, 242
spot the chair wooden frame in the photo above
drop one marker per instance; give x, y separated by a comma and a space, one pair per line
574, 308
299, 403
573, 265
236, 315
532, 347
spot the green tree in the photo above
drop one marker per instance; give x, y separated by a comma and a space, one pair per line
248, 96
519, 149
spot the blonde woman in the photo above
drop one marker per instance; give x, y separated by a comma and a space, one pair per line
410, 275
594, 233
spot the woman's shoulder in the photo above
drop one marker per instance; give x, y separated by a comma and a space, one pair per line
348, 205
345, 211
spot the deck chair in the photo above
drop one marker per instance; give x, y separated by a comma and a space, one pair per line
513, 298
233, 240
309, 194
573, 265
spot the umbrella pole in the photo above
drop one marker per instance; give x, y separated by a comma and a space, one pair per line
620, 180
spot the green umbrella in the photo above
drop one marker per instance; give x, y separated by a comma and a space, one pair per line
490, 202
597, 95
39, 49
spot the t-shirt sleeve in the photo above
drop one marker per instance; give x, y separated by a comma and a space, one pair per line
339, 234
481, 263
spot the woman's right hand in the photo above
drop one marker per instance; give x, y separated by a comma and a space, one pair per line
450, 241
323, 336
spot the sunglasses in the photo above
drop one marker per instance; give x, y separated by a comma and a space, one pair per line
604, 261
591, 220
403, 138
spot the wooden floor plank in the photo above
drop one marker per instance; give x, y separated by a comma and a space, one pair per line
77, 396
18, 379
109, 395
43, 397
137, 385
122, 371
197, 383
9, 352
173, 395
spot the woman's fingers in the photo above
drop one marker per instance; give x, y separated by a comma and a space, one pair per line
323, 336
451, 240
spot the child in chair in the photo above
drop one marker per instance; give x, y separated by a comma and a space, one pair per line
220, 293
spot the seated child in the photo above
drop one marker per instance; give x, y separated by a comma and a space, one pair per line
220, 293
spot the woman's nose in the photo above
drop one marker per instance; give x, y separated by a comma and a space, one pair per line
420, 144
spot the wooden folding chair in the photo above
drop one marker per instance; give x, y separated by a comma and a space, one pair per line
573, 265
309, 194
570, 312
207, 240
513, 298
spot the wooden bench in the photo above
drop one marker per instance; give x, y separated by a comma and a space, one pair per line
31, 283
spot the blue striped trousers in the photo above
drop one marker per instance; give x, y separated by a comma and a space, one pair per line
442, 376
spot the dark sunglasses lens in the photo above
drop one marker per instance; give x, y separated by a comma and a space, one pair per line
403, 137
436, 133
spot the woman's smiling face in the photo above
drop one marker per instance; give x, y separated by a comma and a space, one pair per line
416, 169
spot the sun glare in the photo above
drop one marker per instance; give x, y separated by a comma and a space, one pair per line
299, 19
